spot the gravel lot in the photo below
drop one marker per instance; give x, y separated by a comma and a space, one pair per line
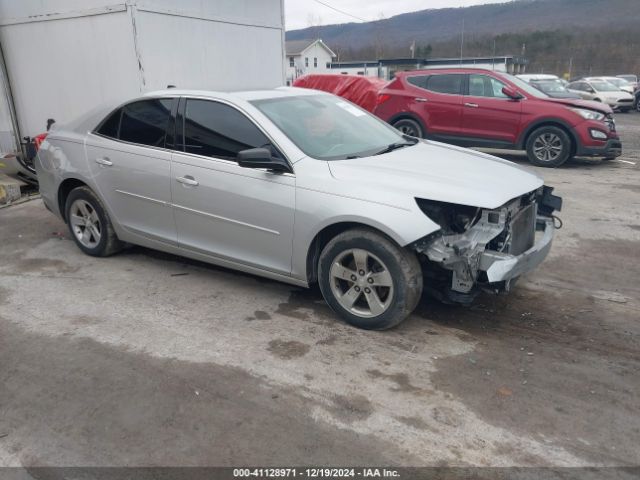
149, 359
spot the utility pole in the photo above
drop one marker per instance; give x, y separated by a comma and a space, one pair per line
493, 58
570, 68
462, 40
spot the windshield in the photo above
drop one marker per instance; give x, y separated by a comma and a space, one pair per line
618, 82
550, 86
604, 87
329, 128
630, 78
521, 84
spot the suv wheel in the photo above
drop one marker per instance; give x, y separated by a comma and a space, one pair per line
548, 147
409, 127
89, 224
367, 279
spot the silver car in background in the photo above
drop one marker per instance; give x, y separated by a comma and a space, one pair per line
302, 187
602, 91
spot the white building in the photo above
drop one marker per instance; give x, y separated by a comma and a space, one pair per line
386, 68
307, 56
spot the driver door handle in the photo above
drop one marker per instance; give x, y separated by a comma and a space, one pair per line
104, 161
471, 105
420, 99
188, 180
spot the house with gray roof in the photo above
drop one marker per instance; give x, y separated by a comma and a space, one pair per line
307, 56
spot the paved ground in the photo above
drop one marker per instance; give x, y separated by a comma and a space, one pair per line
148, 359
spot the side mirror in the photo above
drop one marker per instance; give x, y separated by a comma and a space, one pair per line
511, 93
262, 158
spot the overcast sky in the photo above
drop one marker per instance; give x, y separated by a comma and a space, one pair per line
299, 13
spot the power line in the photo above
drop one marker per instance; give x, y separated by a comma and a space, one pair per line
340, 11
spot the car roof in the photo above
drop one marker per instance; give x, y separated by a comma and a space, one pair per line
280, 92
446, 70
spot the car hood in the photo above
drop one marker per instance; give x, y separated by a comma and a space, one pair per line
578, 103
564, 95
437, 171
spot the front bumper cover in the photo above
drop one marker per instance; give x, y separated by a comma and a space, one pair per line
491, 255
503, 267
613, 148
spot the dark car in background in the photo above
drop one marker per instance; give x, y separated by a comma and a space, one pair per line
549, 84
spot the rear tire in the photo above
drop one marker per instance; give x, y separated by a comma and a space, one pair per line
90, 225
409, 127
368, 280
548, 147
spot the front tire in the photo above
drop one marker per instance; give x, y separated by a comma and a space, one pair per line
409, 127
368, 280
548, 147
89, 224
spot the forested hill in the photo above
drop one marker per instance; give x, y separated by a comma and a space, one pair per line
601, 33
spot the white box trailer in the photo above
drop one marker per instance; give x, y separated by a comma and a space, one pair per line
63, 57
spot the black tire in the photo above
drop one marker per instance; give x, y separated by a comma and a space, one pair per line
402, 266
108, 243
549, 135
409, 127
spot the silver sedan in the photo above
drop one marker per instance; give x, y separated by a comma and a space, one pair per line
302, 187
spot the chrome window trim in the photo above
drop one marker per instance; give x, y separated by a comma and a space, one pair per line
437, 74
123, 142
195, 155
122, 105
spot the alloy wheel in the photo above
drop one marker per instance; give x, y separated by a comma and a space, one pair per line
85, 223
547, 147
361, 283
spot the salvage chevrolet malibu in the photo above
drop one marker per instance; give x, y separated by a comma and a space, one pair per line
298, 186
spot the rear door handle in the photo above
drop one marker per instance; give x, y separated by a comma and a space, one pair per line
188, 180
419, 99
104, 161
471, 105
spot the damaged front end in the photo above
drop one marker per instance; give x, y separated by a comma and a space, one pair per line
480, 249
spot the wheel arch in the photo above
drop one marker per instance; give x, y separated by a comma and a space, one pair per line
328, 232
409, 116
64, 189
550, 122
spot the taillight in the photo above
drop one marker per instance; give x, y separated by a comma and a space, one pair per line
38, 139
382, 97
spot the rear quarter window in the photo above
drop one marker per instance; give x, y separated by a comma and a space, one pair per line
110, 127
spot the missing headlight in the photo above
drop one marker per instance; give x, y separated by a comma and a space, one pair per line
452, 218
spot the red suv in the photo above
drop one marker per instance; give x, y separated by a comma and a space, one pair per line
482, 108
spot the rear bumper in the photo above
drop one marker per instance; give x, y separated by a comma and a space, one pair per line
610, 148
503, 267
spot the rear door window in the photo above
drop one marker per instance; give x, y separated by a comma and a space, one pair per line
145, 121
448, 83
217, 130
